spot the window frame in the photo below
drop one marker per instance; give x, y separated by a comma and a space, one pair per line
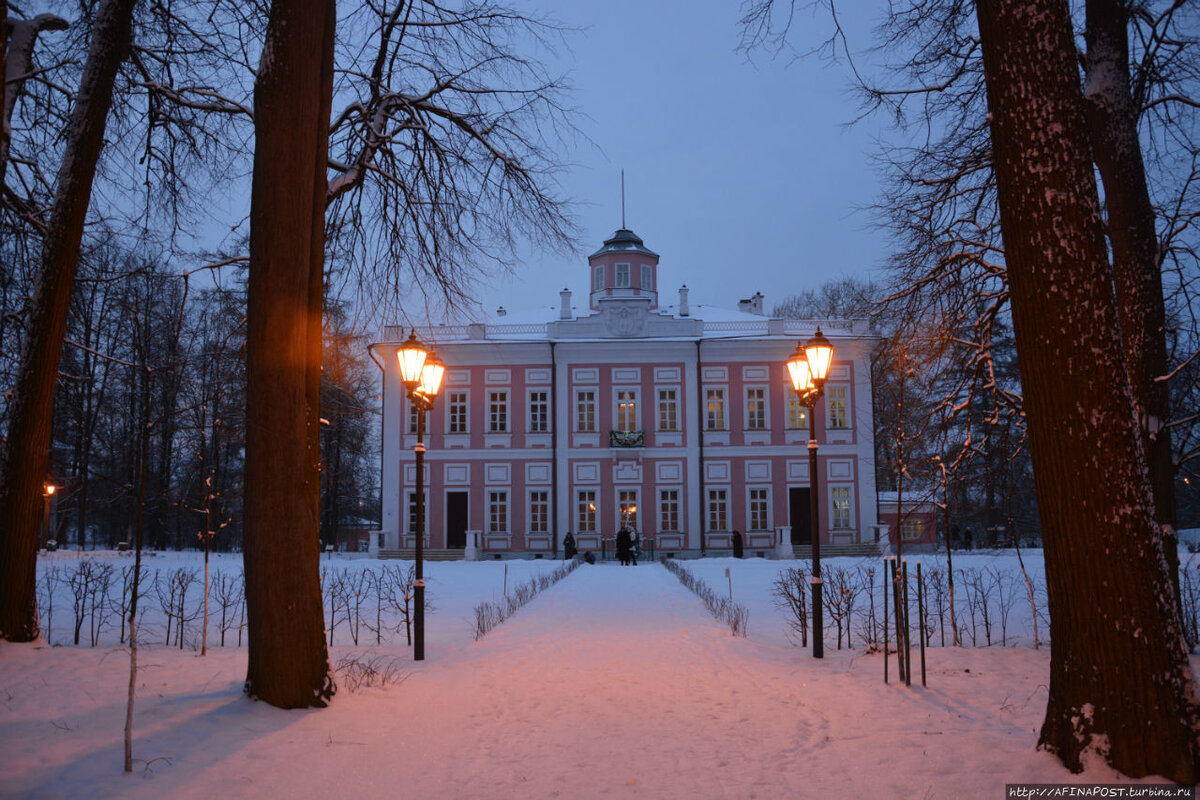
590, 405
498, 411
715, 413
535, 406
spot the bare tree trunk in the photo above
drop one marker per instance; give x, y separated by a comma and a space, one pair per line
1118, 666
1112, 121
288, 659
28, 447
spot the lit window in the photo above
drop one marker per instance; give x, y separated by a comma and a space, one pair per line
718, 510
585, 410
457, 410
759, 521
539, 411
622, 276
668, 510
797, 413
498, 412
912, 530
498, 512
714, 409
539, 512
756, 409
841, 507
627, 419
627, 508
835, 401
668, 410
585, 516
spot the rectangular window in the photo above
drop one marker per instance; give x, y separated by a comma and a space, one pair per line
622, 276
585, 515
668, 510
539, 411
539, 512
598, 279
668, 410
412, 419
718, 510
756, 409
627, 508
497, 412
498, 512
841, 507
759, 521
585, 410
912, 530
835, 401
797, 416
627, 417
714, 409
457, 409
412, 512
647, 276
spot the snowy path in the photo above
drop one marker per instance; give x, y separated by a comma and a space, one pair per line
614, 683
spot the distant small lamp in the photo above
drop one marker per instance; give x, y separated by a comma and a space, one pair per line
808, 369
48, 490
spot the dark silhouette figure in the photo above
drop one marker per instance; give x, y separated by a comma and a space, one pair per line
589, 558
635, 545
737, 544
569, 550
624, 542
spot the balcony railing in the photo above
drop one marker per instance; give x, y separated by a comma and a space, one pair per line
626, 438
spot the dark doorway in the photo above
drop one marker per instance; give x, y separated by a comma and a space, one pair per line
800, 514
456, 520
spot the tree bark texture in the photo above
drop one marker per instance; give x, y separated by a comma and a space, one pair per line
1120, 683
1137, 275
288, 659
26, 455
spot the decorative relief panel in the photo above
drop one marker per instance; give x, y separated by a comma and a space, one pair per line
587, 471
840, 469
626, 375
758, 470
715, 374
668, 471
585, 375
458, 474
457, 377
497, 376
756, 374
498, 473
537, 376
797, 471
667, 375
716, 472
537, 472
627, 472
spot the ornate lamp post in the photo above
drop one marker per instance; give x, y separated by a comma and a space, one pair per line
421, 370
808, 368
48, 490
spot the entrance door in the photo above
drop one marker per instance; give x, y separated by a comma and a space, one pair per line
800, 514
456, 520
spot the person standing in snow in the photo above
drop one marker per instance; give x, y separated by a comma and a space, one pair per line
623, 544
569, 550
737, 544
635, 544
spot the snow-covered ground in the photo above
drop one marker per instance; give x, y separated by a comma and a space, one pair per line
614, 682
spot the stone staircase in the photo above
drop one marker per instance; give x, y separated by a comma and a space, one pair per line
860, 550
428, 554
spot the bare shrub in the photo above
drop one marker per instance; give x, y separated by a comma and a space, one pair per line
361, 672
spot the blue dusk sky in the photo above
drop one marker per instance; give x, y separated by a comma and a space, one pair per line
740, 172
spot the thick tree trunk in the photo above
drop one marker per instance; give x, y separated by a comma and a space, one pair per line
1120, 683
288, 660
27, 454
1112, 121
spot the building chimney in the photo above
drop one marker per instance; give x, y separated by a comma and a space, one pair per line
757, 300
683, 303
500, 312
565, 311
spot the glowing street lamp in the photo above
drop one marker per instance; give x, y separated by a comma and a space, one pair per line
48, 490
808, 368
421, 371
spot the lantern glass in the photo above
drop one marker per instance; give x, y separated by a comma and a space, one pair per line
820, 356
431, 375
412, 357
798, 371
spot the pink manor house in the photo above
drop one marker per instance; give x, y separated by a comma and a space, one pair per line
677, 420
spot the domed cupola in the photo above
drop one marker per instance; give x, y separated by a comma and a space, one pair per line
623, 268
